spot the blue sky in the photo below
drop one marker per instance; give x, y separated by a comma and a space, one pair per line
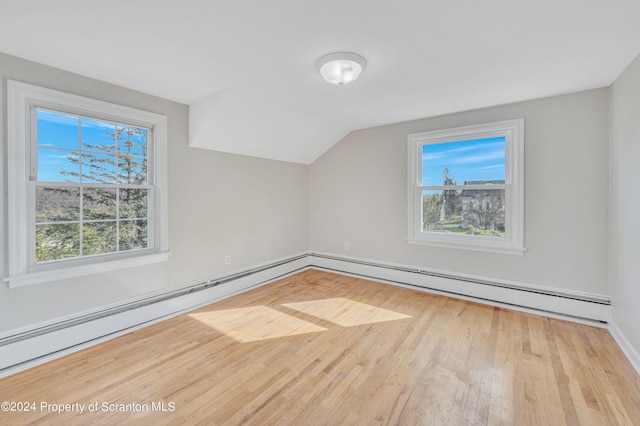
59, 139
478, 159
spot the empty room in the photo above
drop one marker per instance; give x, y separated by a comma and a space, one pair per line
320, 213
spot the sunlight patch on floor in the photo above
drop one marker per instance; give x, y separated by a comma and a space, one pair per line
255, 323
345, 312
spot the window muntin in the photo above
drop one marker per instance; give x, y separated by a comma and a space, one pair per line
87, 179
91, 187
465, 187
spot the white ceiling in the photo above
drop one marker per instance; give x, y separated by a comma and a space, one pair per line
247, 67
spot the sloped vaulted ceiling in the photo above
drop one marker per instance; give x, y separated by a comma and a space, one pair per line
247, 68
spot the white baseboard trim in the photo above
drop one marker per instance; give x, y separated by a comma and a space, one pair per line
592, 309
43, 342
627, 348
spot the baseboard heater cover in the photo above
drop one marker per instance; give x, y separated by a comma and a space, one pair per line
590, 308
24, 349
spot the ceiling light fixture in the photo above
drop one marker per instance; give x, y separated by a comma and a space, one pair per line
341, 68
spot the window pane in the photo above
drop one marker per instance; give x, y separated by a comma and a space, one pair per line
57, 130
469, 212
99, 203
57, 204
483, 211
98, 135
59, 241
132, 141
134, 203
58, 165
132, 169
134, 234
98, 168
442, 211
98, 238
460, 162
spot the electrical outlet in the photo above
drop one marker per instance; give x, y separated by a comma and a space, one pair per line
227, 260
346, 246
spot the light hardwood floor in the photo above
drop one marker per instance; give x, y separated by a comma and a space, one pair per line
323, 349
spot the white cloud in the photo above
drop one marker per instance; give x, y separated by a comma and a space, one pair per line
479, 158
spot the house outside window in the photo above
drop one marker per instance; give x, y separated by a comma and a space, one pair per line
465, 187
87, 185
483, 209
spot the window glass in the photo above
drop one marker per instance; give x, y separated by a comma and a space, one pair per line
98, 168
134, 203
132, 140
134, 234
98, 203
98, 135
57, 129
86, 167
458, 166
57, 241
58, 165
57, 204
472, 160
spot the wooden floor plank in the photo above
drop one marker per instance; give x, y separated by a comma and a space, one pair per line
319, 348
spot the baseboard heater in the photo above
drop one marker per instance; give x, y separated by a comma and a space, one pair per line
190, 289
585, 307
341, 261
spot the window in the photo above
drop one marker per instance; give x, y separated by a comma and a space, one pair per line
466, 187
87, 185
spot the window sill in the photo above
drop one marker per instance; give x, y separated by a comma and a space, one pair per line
475, 246
62, 273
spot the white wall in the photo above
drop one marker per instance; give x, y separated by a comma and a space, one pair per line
625, 206
252, 209
358, 195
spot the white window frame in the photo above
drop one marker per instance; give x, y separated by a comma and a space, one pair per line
513, 241
22, 98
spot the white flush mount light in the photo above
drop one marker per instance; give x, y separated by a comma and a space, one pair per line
341, 68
